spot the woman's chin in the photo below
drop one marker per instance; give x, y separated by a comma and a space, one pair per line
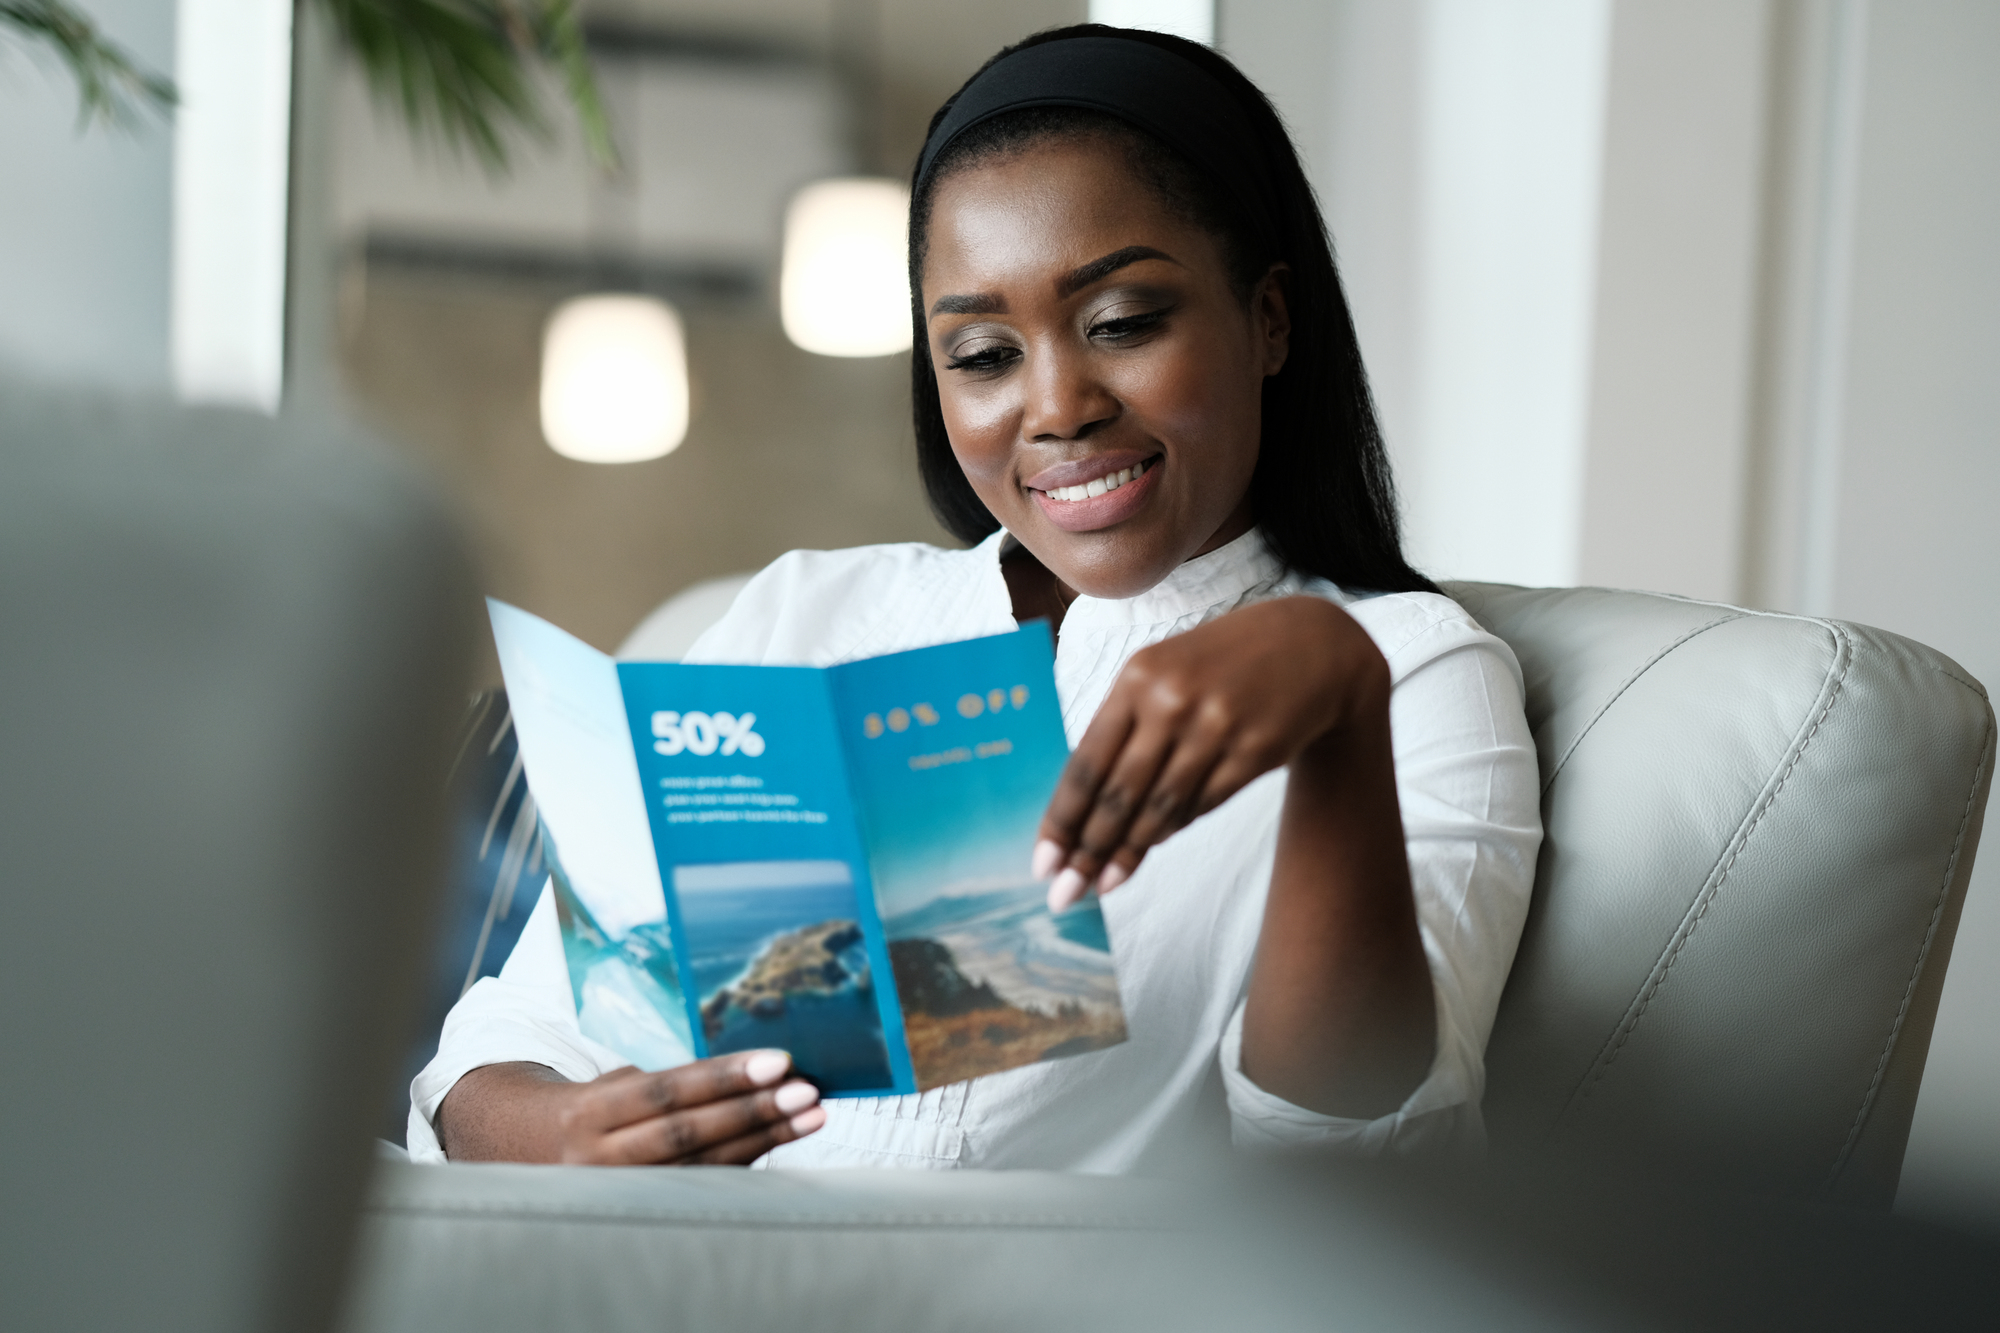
1110, 564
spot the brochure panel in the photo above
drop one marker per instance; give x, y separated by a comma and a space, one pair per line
577, 749
955, 751
772, 908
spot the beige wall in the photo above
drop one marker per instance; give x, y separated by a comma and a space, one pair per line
785, 449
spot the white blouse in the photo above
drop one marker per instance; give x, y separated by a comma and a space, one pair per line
1183, 929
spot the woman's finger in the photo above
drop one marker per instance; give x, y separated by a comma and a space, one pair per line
1121, 796
626, 1098
1076, 790
747, 1148
682, 1135
1169, 804
1236, 771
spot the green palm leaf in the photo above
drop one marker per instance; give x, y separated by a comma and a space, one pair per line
459, 69
455, 70
111, 87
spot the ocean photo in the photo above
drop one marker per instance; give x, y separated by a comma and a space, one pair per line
989, 980
627, 989
779, 959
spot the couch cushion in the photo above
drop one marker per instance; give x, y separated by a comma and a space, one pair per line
1759, 832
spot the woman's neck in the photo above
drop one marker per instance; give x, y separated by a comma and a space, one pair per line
1036, 592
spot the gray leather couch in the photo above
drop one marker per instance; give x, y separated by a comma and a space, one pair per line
1759, 833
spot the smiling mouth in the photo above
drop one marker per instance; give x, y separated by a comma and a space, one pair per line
1097, 486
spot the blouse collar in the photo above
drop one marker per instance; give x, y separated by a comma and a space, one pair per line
1223, 576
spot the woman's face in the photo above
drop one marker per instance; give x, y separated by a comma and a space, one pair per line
1101, 381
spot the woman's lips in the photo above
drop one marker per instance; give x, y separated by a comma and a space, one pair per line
1115, 502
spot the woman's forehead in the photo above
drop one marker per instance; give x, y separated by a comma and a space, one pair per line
1044, 210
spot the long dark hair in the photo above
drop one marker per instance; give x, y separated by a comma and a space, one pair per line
1322, 491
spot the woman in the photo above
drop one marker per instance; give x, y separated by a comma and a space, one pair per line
1301, 776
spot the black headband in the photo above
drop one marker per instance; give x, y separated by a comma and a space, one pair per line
1148, 86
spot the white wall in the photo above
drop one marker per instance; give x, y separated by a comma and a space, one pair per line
1792, 333
1916, 494
1458, 147
1674, 323
152, 255
85, 217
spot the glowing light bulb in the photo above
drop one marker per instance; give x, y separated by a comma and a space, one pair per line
614, 379
845, 288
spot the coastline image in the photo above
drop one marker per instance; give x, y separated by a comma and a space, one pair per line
627, 990
779, 959
988, 981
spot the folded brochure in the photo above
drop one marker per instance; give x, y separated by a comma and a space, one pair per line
832, 861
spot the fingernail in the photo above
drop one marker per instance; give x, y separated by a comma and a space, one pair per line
1111, 877
766, 1067
795, 1097
1048, 856
805, 1122
1066, 890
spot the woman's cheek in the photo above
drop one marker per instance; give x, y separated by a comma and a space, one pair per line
982, 443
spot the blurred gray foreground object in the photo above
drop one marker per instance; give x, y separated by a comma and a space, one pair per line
233, 655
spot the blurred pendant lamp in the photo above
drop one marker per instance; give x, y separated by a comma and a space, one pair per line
614, 379
844, 287
614, 364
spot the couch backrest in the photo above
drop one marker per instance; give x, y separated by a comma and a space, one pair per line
232, 659
1759, 830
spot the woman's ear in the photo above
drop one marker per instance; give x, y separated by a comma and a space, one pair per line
1271, 317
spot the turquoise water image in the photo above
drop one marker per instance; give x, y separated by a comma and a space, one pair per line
627, 990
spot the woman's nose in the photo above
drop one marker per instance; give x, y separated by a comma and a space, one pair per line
1065, 401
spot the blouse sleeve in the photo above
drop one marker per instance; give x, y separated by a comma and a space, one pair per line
1467, 779
526, 1013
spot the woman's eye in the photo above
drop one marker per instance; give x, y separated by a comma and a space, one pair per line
991, 357
1122, 327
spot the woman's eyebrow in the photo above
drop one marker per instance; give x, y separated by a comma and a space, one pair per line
982, 303
1097, 269
1072, 282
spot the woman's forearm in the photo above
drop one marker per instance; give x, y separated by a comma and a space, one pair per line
1340, 1017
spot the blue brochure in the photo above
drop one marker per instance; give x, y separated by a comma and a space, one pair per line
829, 861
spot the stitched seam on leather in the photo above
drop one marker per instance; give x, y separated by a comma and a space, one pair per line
1916, 971
632, 1215
1966, 681
1627, 684
1713, 889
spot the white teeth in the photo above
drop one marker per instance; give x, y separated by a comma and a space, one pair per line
1090, 490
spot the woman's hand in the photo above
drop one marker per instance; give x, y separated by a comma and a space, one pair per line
725, 1111
1190, 722
1339, 1014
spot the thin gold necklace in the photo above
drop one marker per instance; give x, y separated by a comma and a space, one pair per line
1061, 600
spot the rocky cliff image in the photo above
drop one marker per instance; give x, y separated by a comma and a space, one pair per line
819, 960
780, 959
1005, 1012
